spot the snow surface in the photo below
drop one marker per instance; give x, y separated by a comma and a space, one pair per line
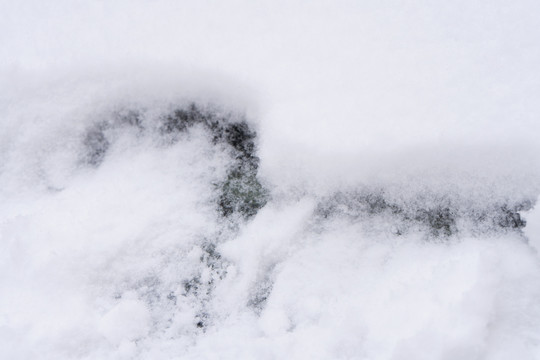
429, 103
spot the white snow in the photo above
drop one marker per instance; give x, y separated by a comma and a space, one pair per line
424, 100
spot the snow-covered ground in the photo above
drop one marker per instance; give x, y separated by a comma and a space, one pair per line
384, 209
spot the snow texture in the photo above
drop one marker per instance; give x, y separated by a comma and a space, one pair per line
269, 180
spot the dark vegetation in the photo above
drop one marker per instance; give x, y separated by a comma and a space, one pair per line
239, 195
241, 192
200, 289
444, 218
96, 144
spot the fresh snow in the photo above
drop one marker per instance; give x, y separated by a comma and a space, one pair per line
396, 155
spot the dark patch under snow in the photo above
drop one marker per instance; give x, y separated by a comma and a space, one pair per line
240, 195
240, 192
443, 216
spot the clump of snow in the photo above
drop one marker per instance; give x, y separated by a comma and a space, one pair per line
129, 320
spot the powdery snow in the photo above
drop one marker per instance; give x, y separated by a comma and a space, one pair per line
429, 109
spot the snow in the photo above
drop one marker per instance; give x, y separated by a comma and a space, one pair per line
426, 105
